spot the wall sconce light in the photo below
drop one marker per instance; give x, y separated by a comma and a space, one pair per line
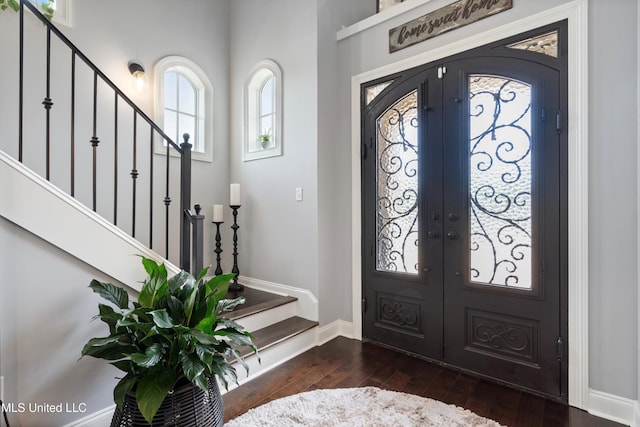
137, 71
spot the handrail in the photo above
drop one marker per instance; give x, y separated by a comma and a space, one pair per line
91, 65
188, 221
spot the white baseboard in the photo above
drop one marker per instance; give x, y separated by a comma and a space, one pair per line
614, 408
307, 304
339, 328
97, 419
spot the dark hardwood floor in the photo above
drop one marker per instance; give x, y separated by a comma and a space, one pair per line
349, 363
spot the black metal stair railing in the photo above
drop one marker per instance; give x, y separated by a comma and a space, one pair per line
144, 161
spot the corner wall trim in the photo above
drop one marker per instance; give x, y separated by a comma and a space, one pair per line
338, 328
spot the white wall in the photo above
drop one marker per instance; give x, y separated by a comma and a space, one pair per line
278, 237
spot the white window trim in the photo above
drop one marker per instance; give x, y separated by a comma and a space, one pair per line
203, 86
250, 111
62, 14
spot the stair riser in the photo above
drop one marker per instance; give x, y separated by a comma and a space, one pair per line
268, 317
275, 355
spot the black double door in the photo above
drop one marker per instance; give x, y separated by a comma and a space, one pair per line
464, 213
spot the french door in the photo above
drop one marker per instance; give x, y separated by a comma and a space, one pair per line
464, 211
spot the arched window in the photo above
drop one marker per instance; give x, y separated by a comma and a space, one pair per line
184, 100
263, 111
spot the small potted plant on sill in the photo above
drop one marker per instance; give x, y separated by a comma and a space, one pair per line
265, 138
171, 344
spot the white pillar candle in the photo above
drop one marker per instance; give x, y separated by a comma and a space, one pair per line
218, 213
235, 195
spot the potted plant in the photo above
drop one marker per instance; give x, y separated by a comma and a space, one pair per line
173, 336
265, 138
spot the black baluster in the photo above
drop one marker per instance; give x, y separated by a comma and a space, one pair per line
134, 172
94, 139
47, 103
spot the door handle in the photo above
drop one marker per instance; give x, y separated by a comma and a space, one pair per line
452, 235
433, 234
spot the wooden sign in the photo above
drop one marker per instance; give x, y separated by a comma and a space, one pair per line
445, 19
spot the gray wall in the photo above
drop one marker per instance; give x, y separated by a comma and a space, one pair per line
278, 236
46, 309
613, 192
334, 158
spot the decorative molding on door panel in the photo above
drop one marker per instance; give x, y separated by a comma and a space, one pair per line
507, 337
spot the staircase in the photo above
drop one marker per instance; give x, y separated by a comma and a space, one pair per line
279, 331
276, 315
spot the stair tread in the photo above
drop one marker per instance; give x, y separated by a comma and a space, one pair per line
256, 302
278, 332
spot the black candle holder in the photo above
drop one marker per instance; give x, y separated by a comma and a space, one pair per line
235, 286
218, 249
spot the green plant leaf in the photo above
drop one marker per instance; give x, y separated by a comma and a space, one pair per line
229, 304
192, 367
203, 272
206, 325
152, 355
111, 293
109, 348
152, 390
236, 355
155, 286
189, 304
14, 5
218, 286
181, 279
124, 365
124, 386
150, 266
109, 316
203, 338
224, 371
161, 318
240, 338
176, 309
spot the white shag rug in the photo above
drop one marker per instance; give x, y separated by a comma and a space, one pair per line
364, 406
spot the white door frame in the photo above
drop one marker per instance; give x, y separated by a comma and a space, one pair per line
576, 14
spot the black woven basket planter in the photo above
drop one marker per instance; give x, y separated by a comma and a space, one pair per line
187, 406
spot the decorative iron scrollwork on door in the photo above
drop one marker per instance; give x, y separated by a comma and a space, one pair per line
500, 181
397, 187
